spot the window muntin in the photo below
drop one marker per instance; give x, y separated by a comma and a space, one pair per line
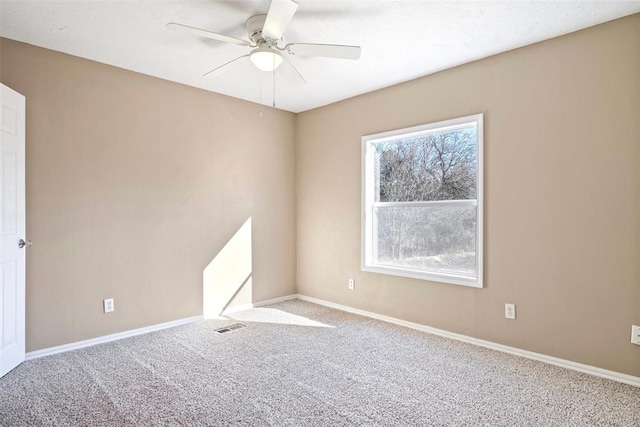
422, 202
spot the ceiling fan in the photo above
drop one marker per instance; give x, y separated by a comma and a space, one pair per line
265, 35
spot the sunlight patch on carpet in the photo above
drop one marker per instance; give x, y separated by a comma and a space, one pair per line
272, 315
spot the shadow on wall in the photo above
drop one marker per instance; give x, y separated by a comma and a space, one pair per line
226, 281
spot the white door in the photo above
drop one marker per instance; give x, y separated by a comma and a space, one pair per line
12, 229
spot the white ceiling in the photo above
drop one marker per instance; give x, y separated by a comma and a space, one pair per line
401, 40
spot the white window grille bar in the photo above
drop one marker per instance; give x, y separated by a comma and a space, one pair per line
432, 203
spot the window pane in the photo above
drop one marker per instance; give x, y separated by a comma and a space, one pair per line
439, 239
436, 166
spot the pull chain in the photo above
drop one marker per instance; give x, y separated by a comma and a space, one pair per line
261, 98
274, 80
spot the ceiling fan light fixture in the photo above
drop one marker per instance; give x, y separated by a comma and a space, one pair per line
266, 58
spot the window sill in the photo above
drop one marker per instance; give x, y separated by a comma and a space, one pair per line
473, 282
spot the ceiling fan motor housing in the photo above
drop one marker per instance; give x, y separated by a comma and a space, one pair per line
254, 26
266, 56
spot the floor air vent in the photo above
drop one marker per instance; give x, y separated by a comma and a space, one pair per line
230, 328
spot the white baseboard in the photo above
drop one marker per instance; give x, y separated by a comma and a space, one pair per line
126, 334
258, 304
587, 369
107, 338
275, 300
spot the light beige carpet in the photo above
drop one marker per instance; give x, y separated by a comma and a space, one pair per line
300, 364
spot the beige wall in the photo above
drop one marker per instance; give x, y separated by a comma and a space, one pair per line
134, 185
562, 197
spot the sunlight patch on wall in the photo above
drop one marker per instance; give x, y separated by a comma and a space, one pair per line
226, 281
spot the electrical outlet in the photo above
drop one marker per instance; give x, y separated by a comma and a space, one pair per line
352, 284
510, 311
635, 334
108, 305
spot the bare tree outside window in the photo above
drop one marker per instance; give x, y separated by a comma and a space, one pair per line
424, 212
439, 166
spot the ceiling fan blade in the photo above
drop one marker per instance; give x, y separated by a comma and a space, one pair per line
292, 67
217, 72
207, 34
278, 17
325, 50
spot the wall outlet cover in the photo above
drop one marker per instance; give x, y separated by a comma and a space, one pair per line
108, 305
510, 311
635, 334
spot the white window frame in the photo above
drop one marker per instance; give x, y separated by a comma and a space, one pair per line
368, 201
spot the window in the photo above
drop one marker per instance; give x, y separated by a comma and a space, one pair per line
422, 202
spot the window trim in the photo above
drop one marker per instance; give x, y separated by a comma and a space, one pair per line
368, 202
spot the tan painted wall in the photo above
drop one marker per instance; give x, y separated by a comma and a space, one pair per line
134, 184
562, 202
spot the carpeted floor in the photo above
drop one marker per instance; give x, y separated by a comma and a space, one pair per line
300, 364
